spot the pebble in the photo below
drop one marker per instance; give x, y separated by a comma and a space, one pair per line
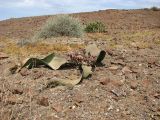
133, 85
126, 70
113, 67
43, 101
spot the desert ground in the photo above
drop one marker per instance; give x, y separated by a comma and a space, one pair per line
127, 87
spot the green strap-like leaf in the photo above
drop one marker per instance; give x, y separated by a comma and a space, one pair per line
54, 61
101, 56
86, 71
64, 82
93, 50
33, 62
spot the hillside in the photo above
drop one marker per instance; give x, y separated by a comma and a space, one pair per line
114, 20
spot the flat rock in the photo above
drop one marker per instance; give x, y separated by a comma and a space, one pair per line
114, 67
126, 70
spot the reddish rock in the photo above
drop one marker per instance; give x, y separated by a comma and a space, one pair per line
104, 81
146, 83
37, 75
24, 72
13, 69
133, 85
17, 91
79, 98
43, 101
109, 51
117, 82
113, 82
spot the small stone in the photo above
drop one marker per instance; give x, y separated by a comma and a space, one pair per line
126, 70
104, 81
136, 70
17, 91
110, 52
114, 67
13, 69
24, 72
15, 99
110, 108
119, 61
157, 95
146, 83
37, 74
117, 94
43, 101
73, 107
120, 73
106, 114
133, 85
117, 82
78, 98
133, 44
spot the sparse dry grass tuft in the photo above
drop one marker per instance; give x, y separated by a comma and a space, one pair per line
140, 39
38, 48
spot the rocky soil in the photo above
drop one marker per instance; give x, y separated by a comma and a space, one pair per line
127, 87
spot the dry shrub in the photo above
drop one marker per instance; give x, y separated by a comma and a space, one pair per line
95, 27
61, 25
